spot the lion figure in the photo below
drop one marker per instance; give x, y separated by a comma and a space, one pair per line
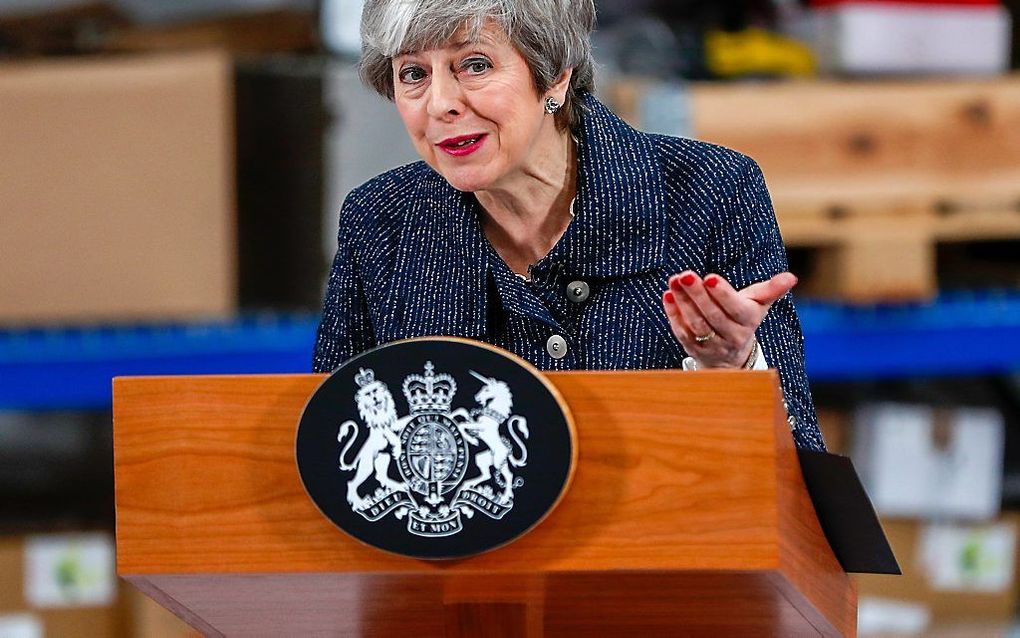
379, 412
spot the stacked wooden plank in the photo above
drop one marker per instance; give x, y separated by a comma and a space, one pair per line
877, 174
872, 176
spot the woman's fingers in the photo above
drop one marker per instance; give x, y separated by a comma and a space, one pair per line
676, 320
691, 316
716, 352
704, 314
768, 292
697, 307
680, 326
739, 308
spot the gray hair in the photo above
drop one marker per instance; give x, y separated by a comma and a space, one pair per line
551, 35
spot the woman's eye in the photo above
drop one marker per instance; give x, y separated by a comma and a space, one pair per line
411, 75
477, 65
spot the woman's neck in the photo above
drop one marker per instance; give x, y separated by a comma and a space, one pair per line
525, 218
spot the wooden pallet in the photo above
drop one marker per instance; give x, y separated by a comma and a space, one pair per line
872, 175
866, 258
875, 175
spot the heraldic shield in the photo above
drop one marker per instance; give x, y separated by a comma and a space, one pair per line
424, 471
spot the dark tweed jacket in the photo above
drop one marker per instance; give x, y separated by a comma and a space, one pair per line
412, 261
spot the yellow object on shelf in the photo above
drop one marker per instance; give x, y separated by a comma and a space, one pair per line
757, 52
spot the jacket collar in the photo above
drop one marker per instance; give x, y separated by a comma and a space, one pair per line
443, 259
620, 212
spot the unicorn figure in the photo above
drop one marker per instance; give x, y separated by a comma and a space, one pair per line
482, 428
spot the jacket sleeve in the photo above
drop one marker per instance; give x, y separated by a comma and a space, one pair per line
752, 250
345, 328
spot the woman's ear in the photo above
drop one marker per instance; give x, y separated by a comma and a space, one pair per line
558, 90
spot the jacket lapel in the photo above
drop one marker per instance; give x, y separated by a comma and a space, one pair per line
621, 204
441, 265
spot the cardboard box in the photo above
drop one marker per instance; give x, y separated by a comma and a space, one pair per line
953, 573
918, 461
55, 585
58, 587
116, 177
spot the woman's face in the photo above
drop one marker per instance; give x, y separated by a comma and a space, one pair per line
472, 110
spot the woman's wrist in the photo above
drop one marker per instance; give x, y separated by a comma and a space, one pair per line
752, 357
691, 363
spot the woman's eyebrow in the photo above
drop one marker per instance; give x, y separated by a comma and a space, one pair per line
464, 44
483, 39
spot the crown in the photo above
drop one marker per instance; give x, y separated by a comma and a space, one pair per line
429, 393
364, 377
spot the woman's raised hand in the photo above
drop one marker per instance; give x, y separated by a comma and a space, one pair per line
716, 323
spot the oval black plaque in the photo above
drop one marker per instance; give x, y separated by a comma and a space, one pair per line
436, 447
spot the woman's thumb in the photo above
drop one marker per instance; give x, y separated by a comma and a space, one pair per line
767, 292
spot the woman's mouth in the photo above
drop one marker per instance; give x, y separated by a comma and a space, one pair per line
463, 145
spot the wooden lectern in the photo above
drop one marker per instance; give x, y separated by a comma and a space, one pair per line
687, 516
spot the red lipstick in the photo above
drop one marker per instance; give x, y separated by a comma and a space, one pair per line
462, 145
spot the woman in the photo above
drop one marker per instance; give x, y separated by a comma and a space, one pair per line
538, 221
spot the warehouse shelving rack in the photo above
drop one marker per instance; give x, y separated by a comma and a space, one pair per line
71, 368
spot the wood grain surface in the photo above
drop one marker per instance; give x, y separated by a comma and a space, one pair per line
876, 147
625, 604
687, 506
865, 174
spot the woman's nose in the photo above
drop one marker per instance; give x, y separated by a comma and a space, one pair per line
445, 99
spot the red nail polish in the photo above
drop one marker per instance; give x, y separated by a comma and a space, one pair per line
669, 297
687, 279
712, 282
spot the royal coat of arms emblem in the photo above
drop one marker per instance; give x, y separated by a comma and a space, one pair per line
437, 463
437, 447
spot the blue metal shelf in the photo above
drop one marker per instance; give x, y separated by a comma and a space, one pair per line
957, 334
73, 368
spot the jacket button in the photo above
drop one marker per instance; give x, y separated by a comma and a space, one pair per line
577, 291
556, 346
